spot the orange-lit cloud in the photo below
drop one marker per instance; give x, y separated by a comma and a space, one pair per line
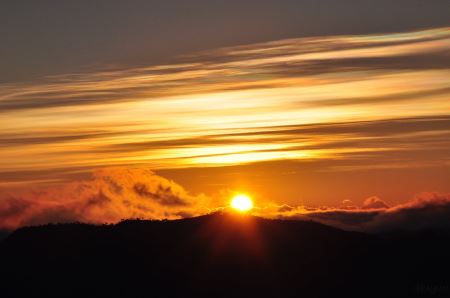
352, 102
110, 195
425, 211
114, 194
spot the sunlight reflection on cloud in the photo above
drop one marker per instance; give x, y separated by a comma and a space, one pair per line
119, 117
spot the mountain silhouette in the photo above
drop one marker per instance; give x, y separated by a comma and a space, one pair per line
221, 255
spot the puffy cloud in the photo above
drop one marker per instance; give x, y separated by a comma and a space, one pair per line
348, 205
374, 203
348, 218
425, 211
110, 195
113, 194
285, 208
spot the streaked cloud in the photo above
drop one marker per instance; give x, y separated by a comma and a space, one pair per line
383, 97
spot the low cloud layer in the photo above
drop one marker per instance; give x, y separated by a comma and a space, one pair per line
426, 211
113, 194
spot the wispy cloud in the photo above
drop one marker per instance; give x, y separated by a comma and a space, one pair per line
309, 98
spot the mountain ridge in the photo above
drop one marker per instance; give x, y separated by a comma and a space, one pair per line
216, 255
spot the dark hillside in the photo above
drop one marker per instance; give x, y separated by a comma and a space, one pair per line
219, 255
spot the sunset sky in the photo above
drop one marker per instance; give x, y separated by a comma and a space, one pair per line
188, 104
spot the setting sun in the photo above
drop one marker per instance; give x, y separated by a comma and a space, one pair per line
242, 203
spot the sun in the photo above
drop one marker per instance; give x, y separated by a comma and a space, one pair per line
242, 203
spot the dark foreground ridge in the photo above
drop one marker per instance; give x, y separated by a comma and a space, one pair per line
220, 255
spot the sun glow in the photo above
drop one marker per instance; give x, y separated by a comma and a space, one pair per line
242, 203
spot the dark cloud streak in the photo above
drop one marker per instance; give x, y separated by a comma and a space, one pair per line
226, 71
50, 38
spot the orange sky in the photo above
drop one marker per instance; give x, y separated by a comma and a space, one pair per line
299, 121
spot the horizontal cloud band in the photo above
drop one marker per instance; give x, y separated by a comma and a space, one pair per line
114, 194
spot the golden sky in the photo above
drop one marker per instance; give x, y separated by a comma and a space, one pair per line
315, 120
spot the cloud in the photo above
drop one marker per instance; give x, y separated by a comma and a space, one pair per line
428, 210
374, 203
298, 99
269, 64
113, 194
163, 195
110, 195
348, 205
